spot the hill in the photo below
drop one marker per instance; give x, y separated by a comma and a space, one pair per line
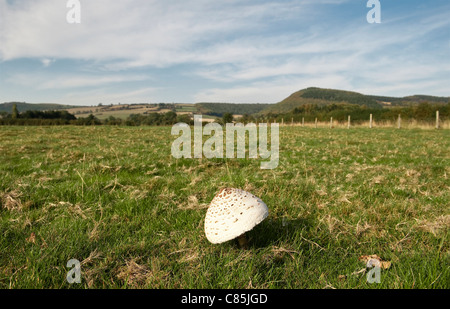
219, 109
23, 107
321, 97
411, 100
324, 97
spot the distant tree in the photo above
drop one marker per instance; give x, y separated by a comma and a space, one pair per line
15, 112
111, 120
88, 121
170, 118
184, 118
227, 118
424, 111
246, 118
63, 115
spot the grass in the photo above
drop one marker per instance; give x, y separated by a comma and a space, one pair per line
124, 111
116, 200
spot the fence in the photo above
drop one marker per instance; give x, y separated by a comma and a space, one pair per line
372, 123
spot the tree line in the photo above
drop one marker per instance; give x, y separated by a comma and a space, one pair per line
36, 118
423, 112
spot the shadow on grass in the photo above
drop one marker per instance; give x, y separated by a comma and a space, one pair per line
276, 231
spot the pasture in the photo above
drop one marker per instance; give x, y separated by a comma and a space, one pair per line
116, 200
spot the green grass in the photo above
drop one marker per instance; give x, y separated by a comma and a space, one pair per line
186, 108
116, 200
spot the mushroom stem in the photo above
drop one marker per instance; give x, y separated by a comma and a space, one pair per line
242, 241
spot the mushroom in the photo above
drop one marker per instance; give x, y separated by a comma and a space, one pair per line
233, 212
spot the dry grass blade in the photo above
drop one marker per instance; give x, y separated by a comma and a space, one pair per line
277, 250
134, 274
94, 255
243, 256
190, 254
437, 226
192, 203
11, 201
313, 243
94, 234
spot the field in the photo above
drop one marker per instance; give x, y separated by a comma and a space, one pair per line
116, 200
125, 110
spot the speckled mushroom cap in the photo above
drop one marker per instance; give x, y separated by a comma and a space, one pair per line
233, 212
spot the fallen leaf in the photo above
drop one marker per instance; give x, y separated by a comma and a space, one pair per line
374, 261
32, 238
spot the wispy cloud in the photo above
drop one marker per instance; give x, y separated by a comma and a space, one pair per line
46, 62
47, 82
152, 32
107, 96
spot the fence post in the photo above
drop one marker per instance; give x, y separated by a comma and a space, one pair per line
437, 120
370, 121
331, 123
348, 124
399, 121
282, 121
303, 121
316, 122
292, 121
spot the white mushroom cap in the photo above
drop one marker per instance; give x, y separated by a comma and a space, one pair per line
231, 213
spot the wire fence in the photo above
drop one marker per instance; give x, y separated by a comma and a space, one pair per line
371, 123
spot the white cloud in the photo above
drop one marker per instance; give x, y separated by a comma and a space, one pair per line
46, 62
106, 96
46, 82
154, 32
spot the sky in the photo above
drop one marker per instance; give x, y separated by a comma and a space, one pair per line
236, 51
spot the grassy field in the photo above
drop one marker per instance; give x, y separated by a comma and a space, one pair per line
125, 110
116, 200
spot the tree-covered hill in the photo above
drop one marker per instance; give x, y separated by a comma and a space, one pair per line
324, 97
321, 97
23, 107
219, 109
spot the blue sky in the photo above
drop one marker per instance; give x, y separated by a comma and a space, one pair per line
132, 51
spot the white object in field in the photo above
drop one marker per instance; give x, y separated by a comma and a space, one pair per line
233, 212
